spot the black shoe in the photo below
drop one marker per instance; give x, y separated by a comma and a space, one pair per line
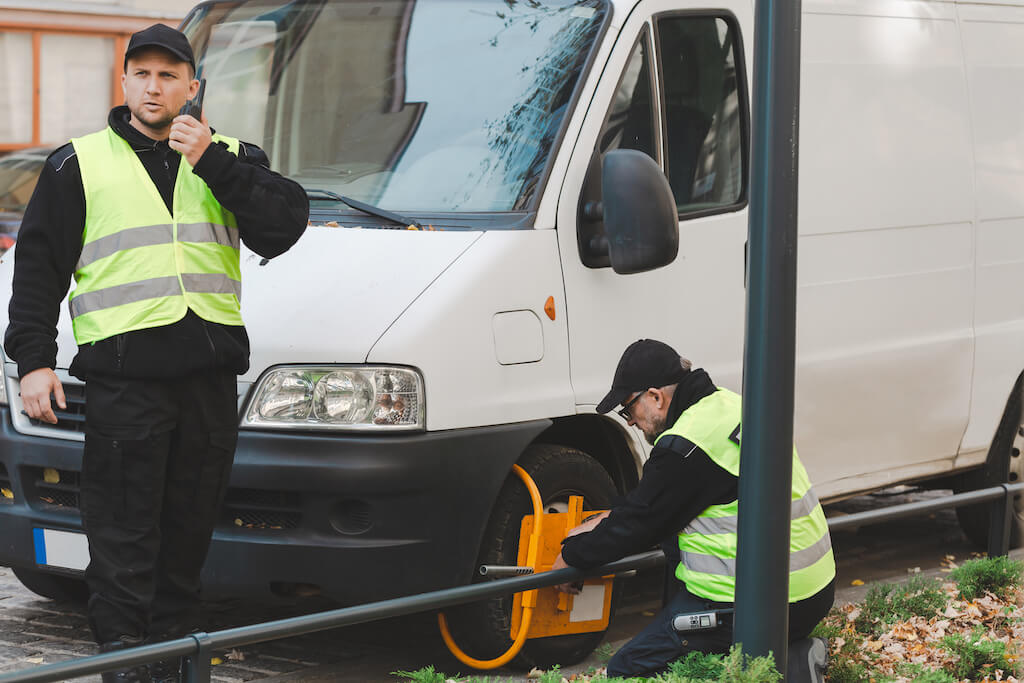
808, 659
138, 674
166, 670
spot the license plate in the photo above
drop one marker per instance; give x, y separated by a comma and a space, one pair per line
64, 549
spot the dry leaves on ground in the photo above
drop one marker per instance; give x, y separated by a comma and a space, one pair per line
918, 640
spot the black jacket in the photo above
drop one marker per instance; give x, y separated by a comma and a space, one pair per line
679, 482
272, 213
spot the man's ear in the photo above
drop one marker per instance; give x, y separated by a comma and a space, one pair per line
193, 89
659, 397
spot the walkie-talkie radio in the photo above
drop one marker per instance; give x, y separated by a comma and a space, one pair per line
194, 107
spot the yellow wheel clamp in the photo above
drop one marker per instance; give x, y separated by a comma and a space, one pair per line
544, 612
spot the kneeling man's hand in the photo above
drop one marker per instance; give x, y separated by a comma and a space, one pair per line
573, 587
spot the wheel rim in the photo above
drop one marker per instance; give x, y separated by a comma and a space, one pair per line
559, 500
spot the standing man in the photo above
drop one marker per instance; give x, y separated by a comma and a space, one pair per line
688, 493
147, 216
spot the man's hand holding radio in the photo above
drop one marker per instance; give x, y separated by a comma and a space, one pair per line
190, 137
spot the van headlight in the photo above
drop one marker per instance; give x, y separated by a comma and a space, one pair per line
356, 398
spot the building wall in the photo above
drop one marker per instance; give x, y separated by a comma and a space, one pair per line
61, 63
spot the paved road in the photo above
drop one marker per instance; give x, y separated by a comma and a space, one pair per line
34, 630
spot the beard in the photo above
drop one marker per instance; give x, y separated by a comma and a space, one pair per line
155, 120
657, 426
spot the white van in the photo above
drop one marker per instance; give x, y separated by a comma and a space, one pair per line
401, 367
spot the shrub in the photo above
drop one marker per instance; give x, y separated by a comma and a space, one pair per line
976, 656
996, 575
921, 674
424, 675
699, 666
886, 604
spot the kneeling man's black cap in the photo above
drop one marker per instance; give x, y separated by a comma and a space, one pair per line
645, 364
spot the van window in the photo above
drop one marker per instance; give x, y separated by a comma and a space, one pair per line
631, 122
704, 113
446, 106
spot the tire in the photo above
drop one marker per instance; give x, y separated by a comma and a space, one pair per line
482, 629
974, 519
53, 586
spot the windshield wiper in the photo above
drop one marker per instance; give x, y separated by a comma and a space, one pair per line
313, 193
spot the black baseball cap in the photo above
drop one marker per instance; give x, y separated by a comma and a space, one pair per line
161, 35
644, 364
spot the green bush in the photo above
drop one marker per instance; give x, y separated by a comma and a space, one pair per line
977, 657
922, 674
424, 675
996, 575
742, 669
886, 604
696, 667
699, 666
848, 671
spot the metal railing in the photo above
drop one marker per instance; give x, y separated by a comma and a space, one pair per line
196, 648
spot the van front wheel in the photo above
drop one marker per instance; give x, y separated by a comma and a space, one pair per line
482, 629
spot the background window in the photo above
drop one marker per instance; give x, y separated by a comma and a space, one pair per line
703, 130
630, 122
15, 88
75, 84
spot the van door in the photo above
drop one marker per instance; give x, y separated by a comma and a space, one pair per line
674, 87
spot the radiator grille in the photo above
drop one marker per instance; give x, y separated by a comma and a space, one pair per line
71, 419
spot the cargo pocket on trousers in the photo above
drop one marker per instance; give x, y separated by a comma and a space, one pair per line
121, 480
216, 470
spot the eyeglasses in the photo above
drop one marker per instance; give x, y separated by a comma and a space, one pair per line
624, 410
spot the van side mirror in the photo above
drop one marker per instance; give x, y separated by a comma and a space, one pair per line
641, 221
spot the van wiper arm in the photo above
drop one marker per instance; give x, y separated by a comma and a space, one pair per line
313, 193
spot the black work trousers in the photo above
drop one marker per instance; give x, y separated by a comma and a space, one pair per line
651, 651
157, 458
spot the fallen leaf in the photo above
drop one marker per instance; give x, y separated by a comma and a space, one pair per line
238, 522
856, 582
535, 673
852, 616
913, 570
235, 655
34, 660
7, 493
215, 661
331, 224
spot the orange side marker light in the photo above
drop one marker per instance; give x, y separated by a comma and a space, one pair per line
549, 307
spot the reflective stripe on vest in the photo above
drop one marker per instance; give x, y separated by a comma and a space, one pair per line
142, 266
708, 543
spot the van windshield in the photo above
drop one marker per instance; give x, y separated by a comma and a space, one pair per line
410, 105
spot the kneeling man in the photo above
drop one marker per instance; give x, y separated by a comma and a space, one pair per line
688, 493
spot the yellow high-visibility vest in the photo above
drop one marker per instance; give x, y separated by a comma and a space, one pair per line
708, 544
143, 266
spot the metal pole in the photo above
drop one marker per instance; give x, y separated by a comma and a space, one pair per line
762, 580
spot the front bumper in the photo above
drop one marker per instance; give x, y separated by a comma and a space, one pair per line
360, 517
